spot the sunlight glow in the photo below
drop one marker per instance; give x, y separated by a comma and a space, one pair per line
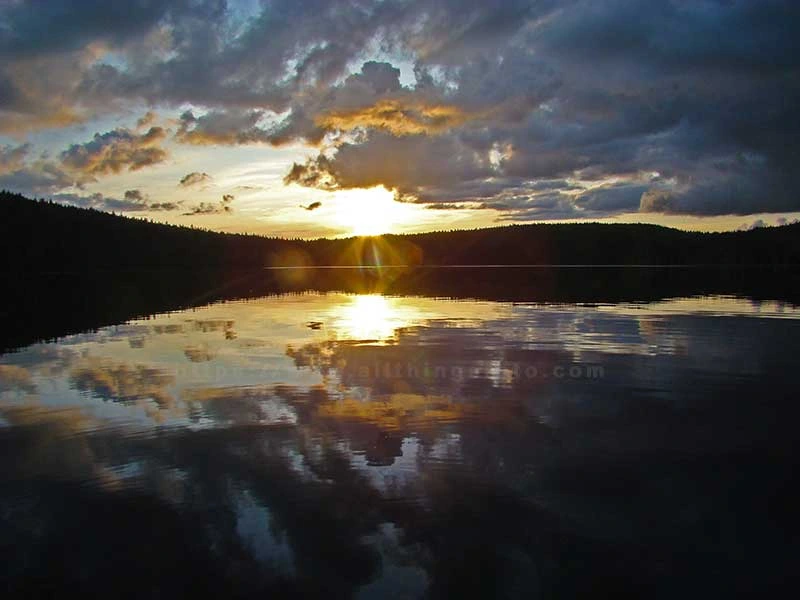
373, 211
372, 317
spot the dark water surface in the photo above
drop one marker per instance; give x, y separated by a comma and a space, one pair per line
544, 435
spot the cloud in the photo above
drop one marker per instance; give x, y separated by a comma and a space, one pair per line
624, 197
449, 206
133, 201
107, 153
60, 26
115, 151
504, 95
738, 185
417, 162
134, 196
37, 93
225, 128
137, 198
38, 176
146, 120
211, 208
757, 224
314, 173
124, 383
590, 100
157, 206
395, 117
194, 178
12, 158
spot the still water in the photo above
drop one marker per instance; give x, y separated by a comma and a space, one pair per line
374, 446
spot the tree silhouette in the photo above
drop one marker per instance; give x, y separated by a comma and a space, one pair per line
46, 236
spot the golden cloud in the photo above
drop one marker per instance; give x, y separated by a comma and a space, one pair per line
397, 117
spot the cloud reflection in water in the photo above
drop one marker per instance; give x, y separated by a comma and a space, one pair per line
461, 447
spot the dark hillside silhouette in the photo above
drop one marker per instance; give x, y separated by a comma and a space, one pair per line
45, 236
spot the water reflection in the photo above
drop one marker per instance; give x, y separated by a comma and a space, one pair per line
372, 317
364, 445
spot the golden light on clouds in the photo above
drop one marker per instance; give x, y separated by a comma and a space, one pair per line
397, 117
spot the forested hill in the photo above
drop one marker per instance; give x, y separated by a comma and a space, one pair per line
45, 236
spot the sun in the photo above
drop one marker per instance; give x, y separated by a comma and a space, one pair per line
372, 211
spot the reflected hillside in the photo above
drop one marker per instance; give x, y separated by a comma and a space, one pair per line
44, 306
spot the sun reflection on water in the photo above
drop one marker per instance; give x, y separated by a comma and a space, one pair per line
372, 317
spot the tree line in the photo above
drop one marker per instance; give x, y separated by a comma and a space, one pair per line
40, 235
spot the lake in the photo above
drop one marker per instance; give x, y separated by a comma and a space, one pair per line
314, 440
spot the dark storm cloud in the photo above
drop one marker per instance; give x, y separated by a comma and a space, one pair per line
568, 203
691, 103
689, 91
70, 26
701, 35
611, 198
47, 50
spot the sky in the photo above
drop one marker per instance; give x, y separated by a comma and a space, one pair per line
310, 118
